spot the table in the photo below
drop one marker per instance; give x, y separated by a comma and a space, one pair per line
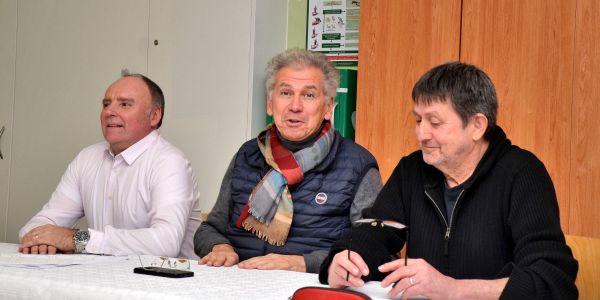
114, 279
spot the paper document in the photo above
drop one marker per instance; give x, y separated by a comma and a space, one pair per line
374, 290
12, 258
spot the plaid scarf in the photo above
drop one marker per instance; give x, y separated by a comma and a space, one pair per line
269, 210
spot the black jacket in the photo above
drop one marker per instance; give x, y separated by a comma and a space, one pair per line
505, 224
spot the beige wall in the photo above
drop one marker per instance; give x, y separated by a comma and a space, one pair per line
66, 52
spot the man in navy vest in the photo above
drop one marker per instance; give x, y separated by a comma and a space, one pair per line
288, 194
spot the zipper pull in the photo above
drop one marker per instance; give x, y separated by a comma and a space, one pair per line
447, 237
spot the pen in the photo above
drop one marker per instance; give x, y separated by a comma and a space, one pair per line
349, 249
405, 257
348, 274
406, 252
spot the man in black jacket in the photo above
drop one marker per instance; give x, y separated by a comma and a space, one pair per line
482, 213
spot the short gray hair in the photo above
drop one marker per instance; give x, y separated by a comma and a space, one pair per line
303, 58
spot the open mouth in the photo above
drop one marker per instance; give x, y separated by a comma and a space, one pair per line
293, 122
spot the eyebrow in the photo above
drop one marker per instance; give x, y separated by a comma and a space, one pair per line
308, 87
120, 99
427, 114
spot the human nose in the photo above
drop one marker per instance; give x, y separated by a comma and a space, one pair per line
423, 132
296, 104
107, 110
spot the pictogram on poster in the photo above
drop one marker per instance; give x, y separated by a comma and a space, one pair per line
332, 29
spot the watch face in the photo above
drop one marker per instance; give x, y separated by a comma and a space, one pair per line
80, 239
83, 235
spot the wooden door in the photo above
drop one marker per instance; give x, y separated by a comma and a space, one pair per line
544, 58
399, 41
526, 47
584, 213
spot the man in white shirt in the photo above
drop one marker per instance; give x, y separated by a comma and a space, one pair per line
137, 191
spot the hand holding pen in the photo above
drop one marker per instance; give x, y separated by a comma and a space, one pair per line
392, 224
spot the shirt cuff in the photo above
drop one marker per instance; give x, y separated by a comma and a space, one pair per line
96, 243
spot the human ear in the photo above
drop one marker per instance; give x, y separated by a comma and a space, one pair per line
480, 124
269, 106
155, 116
329, 108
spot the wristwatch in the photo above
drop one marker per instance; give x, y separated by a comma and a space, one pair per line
80, 239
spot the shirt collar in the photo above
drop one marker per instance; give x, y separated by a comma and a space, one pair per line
134, 151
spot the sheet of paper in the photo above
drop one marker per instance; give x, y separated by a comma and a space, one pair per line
10, 257
374, 290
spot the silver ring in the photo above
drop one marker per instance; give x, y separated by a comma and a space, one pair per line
411, 281
401, 293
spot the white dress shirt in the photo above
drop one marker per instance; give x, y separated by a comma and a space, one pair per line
141, 201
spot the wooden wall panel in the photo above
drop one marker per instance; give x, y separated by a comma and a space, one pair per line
399, 41
585, 158
527, 48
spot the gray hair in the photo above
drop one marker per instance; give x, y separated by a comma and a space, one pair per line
158, 98
469, 90
303, 58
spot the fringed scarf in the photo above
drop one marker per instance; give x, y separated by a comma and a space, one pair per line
269, 210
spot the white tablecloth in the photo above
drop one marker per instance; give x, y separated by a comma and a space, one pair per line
109, 277
114, 279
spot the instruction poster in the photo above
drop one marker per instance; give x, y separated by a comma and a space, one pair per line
332, 29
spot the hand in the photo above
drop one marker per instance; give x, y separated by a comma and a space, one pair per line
347, 272
221, 255
275, 262
41, 249
40, 239
417, 278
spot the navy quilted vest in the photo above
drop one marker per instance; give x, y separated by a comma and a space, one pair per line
321, 201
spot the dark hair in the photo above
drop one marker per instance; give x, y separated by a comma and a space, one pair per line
158, 98
468, 88
304, 58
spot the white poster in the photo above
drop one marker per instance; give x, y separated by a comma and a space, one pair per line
332, 29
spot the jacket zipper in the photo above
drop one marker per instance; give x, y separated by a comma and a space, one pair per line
448, 225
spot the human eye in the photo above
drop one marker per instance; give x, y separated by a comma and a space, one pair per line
435, 122
285, 93
310, 95
125, 104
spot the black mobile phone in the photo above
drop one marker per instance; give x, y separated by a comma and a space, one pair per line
163, 272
